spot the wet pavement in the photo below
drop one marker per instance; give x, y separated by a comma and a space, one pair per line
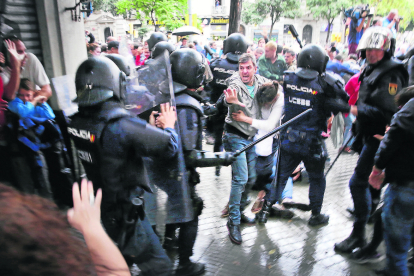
281, 246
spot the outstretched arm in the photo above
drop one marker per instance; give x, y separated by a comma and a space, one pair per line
85, 217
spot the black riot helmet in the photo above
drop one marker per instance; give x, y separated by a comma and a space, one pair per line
121, 62
187, 67
235, 43
155, 38
313, 57
160, 47
97, 80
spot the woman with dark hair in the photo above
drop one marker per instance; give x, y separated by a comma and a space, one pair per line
36, 239
93, 49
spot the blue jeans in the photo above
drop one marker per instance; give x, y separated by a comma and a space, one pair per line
243, 172
348, 127
359, 185
398, 219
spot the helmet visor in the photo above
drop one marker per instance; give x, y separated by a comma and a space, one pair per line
375, 38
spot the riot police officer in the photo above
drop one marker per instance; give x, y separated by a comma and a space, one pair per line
160, 47
188, 73
170, 175
111, 143
381, 80
155, 38
222, 68
308, 87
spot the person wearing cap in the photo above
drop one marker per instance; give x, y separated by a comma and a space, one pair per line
113, 47
381, 80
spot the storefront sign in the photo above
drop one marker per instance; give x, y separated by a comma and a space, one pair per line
219, 21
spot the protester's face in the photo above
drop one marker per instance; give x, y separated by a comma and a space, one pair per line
258, 54
133, 50
21, 50
214, 46
270, 53
96, 52
25, 95
140, 50
147, 52
247, 71
184, 42
261, 43
374, 55
289, 58
113, 50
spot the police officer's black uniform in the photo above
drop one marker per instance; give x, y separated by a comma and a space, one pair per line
111, 144
188, 69
380, 82
305, 88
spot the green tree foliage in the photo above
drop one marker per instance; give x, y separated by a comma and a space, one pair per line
256, 12
326, 9
170, 12
105, 5
143, 31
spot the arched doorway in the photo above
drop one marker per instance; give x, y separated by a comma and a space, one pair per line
307, 34
108, 32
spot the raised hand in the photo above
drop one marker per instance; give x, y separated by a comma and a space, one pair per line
167, 118
231, 97
15, 58
86, 211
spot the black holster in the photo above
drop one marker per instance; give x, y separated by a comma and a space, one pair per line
121, 227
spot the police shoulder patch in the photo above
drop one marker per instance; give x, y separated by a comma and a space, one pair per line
392, 88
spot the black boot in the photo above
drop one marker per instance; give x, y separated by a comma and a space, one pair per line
189, 268
234, 232
318, 219
170, 243
355, 240
264, 213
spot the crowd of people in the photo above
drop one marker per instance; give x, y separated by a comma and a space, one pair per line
245, 91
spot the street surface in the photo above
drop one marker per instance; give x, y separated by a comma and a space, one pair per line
279, 247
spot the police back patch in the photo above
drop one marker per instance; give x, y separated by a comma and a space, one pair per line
392, 88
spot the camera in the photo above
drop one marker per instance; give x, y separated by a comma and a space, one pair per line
362, 12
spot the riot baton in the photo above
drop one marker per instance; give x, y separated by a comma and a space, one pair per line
237, 153
295, 35
336, 158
